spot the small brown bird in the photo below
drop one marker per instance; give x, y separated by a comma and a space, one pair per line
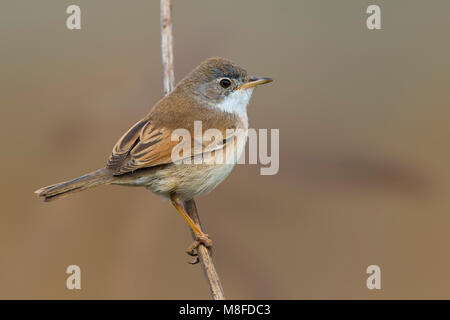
216, 93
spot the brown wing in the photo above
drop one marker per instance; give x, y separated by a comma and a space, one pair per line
146, 145
125, 144
141, 146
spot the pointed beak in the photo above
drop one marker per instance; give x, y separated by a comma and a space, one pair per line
253, 82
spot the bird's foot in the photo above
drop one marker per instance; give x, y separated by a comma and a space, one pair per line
201, 238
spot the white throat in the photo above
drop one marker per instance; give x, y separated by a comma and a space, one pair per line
236, 102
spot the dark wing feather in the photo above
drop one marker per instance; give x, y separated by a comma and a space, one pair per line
153, 148
125, 144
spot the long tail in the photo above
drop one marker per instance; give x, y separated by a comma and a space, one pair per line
90, 180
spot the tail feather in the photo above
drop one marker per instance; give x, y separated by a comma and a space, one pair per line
90, 180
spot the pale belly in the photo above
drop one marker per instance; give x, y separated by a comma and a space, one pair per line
188, 181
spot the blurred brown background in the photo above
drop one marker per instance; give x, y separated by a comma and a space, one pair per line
364, 127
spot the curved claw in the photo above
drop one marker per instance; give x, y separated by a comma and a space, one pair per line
195, 261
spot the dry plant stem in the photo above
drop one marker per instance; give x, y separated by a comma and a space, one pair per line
205, 258
167, 46
204, 254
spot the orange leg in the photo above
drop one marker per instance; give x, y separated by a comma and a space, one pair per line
200, 236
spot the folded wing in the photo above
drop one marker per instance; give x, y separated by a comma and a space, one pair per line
145, 145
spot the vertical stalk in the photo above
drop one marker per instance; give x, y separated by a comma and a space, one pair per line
204, 255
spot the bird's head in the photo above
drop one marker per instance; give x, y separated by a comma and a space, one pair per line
220, 83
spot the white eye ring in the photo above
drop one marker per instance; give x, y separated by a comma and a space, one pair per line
225, 83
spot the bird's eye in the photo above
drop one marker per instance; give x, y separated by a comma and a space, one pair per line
225, 83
